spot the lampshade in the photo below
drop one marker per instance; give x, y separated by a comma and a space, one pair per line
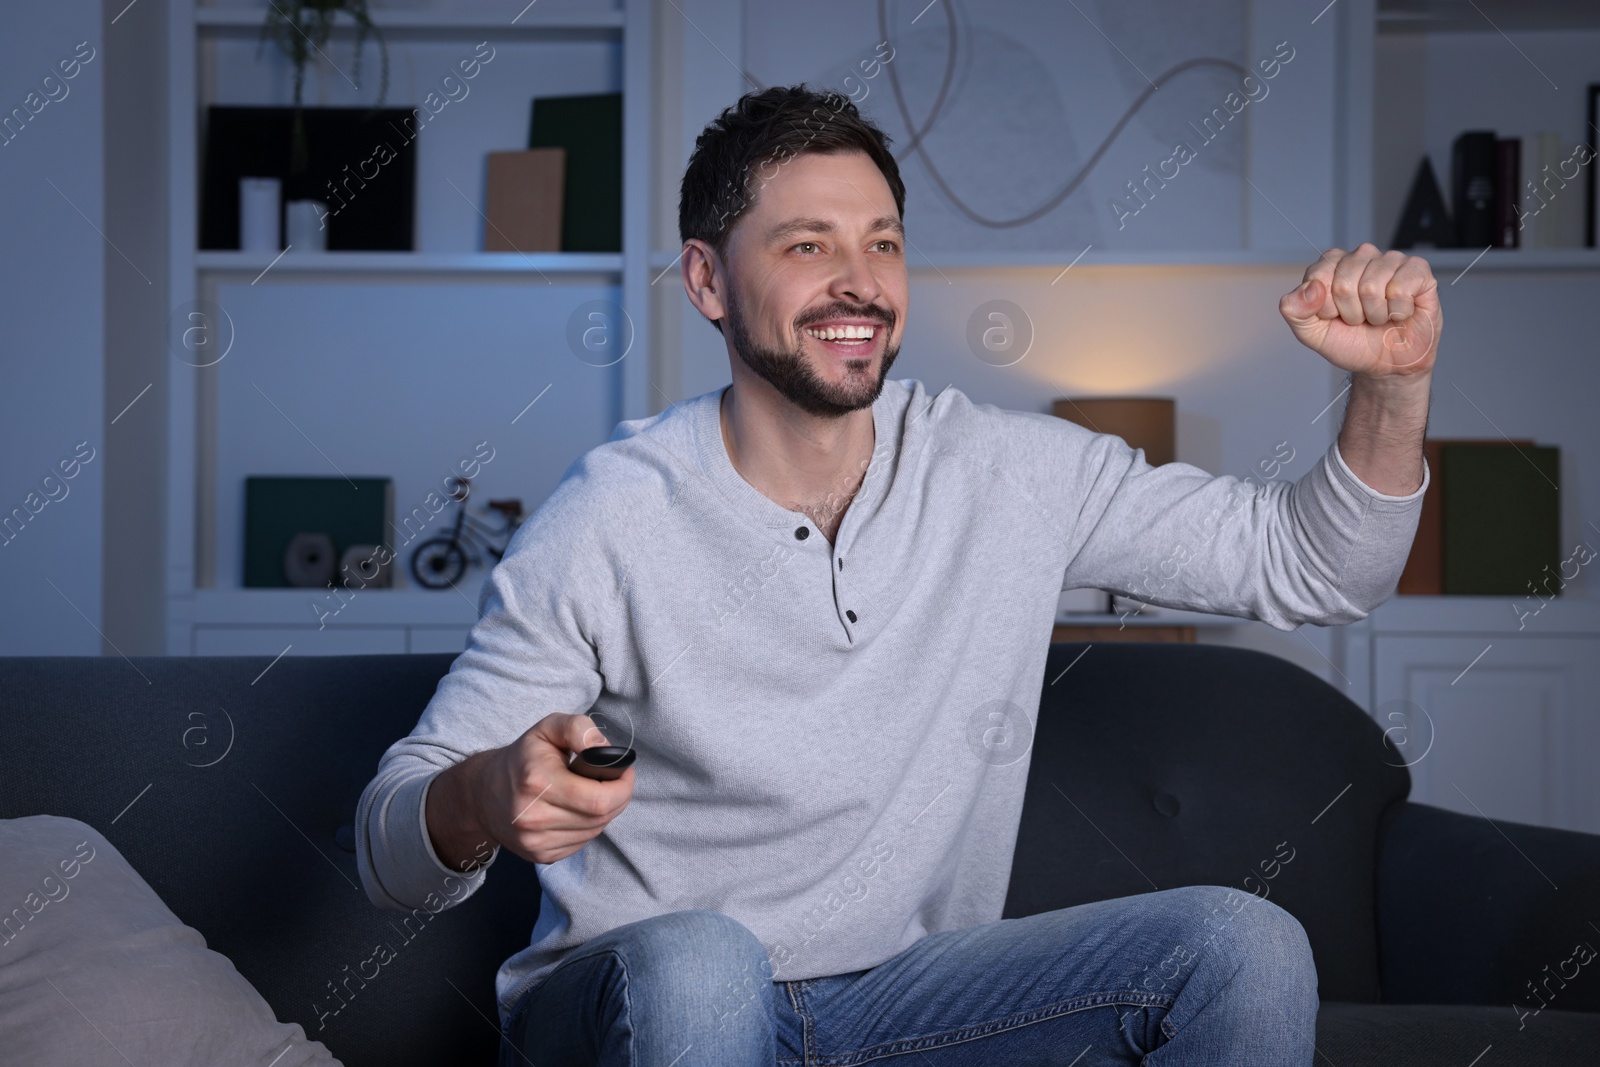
1147, 422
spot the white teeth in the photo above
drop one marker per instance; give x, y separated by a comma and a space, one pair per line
839, 333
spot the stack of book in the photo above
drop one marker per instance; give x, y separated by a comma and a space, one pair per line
563, 193
1506, 192
1491, 520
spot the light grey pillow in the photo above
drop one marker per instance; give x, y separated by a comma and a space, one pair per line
92, 961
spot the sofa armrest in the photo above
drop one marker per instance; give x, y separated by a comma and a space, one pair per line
1474, 911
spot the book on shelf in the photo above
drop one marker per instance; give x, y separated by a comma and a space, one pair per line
1472, 188
1507, 167
522, 211
1502, 518
590, 129
1551, 214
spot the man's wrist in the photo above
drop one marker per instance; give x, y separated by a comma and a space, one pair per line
453, 815
1399, 391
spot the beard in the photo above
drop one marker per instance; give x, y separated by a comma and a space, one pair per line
793, 377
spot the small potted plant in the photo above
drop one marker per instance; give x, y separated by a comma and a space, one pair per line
301, 27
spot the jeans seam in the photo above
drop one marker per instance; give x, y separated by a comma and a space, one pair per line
627, 1000
807, 1023
1011, 1022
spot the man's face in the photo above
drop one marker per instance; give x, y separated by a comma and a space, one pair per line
822, 248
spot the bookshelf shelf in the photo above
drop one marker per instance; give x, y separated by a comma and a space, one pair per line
231, 21
1507, 259
1457, 259
954, 261
533, 264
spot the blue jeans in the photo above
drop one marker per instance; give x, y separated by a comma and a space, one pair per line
1200, 975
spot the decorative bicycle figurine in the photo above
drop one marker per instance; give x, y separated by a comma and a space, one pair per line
441, 562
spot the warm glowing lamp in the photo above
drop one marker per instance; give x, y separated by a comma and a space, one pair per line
1147, 422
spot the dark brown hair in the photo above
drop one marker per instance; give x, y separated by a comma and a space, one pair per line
735, 152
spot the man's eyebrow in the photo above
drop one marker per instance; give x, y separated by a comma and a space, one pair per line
796, 227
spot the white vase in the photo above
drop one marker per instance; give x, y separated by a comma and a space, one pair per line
306, 230
258, 215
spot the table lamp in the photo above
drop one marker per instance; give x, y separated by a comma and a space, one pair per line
1147, 422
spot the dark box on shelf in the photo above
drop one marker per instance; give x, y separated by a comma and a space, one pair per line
361, 164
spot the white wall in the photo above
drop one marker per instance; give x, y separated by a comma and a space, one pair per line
51, 305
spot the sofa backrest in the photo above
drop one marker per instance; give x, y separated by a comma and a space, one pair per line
1164, 765
248, 849
1152, 766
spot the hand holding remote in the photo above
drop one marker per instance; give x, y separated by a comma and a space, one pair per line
536, 797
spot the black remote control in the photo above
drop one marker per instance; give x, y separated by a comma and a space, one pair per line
603, 763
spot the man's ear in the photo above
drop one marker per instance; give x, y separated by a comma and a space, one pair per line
703, 278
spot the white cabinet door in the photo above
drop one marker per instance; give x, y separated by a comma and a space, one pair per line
1502, 727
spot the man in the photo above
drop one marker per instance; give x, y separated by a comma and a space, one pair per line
795, 598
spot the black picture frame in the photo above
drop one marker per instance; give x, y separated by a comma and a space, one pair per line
370, 190
1592, 139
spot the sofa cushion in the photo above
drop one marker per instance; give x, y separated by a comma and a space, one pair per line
1423, 1035
94, 966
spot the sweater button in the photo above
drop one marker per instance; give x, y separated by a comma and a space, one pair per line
850, 615
801, 533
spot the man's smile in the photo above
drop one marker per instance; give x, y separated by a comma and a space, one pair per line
849, 338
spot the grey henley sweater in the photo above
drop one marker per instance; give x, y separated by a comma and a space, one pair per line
827, 734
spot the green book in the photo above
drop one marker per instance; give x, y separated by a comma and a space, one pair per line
354, 511
590, 129
1502, 519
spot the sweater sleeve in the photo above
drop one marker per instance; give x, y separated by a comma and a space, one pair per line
530, 653
1325, 549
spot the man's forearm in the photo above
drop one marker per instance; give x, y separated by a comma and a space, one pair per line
1384, 424
453, 824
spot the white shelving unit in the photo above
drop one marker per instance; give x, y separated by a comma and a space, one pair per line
206, 610
658, 117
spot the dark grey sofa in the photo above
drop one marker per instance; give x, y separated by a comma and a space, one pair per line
1154, 766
